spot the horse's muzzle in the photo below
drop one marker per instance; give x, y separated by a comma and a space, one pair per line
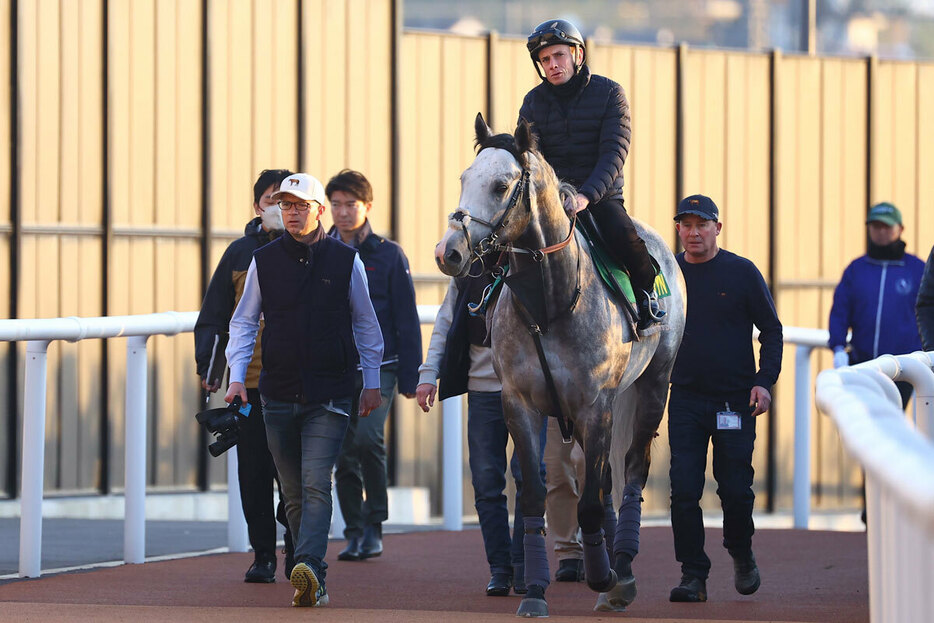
452, 254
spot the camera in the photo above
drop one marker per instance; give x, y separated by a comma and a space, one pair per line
223, 423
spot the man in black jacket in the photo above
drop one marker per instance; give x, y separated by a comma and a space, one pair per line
716, 395
319, 322
924, 308
582, 124
362, 462
255, 467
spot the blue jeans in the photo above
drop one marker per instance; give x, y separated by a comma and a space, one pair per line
692, 425
304, 440
486, 443
362, 461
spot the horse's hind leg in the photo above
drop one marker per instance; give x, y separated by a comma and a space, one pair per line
525, 429
648, 413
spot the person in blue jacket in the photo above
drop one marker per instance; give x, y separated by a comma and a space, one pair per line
876, 297
362, 461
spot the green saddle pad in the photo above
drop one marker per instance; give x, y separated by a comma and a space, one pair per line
615, 278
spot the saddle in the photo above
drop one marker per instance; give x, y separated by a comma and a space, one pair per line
613, 275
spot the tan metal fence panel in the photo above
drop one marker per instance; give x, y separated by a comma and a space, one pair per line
921, 236
155, 189
513, 75
5, 223
441, 92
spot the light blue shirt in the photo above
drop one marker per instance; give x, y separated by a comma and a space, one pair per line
367, 335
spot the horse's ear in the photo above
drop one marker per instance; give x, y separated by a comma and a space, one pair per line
525, 140
483, 130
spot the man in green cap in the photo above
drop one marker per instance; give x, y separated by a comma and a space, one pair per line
876, 297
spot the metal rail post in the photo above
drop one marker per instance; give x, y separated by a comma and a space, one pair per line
453, 461
237, 538
134, 529
802, 472
30, 524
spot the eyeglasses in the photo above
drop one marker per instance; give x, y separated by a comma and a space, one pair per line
300, 207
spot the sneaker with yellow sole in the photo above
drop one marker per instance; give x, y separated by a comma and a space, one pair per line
309, 592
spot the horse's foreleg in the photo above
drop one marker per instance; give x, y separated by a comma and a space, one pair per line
591, 512
525, 429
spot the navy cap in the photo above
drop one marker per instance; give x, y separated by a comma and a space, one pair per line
700, 205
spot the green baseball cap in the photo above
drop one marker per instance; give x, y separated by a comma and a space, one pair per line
884, 212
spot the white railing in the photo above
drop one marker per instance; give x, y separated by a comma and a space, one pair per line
38, 334
898, 458
137, 329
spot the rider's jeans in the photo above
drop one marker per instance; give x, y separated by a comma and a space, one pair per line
486, 442
692, 424
304, 440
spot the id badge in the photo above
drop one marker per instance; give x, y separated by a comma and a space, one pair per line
245, 410
728, 420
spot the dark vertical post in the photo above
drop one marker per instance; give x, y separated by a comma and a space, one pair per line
491, 40
872, 69
809, 26
15, 235
106, 248
679, 128
771, 484
202, 466
395, 156
300, 82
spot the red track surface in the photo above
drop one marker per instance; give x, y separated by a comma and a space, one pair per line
435, 576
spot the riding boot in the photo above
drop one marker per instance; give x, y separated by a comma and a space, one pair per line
627, 248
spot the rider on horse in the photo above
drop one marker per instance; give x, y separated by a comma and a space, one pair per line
582, 124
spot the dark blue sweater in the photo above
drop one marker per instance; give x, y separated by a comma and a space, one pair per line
726, 297
393, 296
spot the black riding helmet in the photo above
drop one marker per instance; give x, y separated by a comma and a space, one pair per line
554, 31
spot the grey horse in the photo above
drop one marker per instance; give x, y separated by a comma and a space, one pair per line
605, 378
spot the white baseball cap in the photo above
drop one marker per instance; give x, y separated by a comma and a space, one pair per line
302, 186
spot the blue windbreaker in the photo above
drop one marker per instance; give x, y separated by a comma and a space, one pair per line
876, 299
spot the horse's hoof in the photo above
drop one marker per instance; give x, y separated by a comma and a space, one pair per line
623, 594
608, 583
604, 605
533, 604
531, 607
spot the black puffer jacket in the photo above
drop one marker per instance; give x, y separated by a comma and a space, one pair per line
588, 145
924, 309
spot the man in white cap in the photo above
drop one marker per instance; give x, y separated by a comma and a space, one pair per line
312, 292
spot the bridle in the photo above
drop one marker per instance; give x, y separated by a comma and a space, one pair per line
490, 243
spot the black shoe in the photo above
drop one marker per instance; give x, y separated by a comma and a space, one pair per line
649, 311
746, 574
691, 589
499, 585
570, 570
518, 580
262, 571
289, 551
372, 544
352, 551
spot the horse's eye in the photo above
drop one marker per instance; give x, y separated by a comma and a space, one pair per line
501, 188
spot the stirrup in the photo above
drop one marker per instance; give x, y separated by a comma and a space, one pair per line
652, 312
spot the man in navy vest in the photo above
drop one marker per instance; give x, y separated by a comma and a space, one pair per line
312, 293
